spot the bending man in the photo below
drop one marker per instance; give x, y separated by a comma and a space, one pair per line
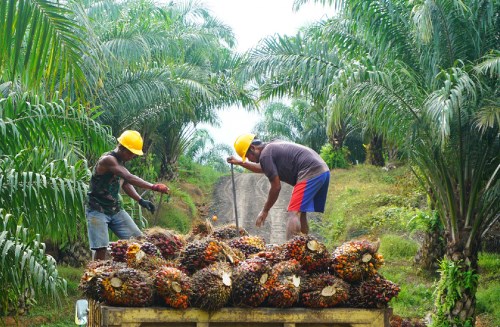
103, 209
291, 163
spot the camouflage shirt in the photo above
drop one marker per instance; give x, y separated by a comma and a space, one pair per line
104, 189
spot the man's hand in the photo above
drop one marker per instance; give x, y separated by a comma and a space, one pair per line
148, 205
233, 160
261, 218
162, 188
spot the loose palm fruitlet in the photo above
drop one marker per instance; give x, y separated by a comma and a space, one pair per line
211, 286
118, 250
169, 243
248, 244
127, 287
90, 283
356, 260
249, 282
283, 284
323, 291
228, 232
200, 254
375, 292
312, 255
200, 230
173, 287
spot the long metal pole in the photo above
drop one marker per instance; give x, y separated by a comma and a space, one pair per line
234, 199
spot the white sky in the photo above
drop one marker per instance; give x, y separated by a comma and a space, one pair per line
252, 21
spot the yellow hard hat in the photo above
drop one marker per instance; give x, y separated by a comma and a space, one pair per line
242, 144
132, 140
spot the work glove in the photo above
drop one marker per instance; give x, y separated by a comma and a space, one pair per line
162, 188
148, 205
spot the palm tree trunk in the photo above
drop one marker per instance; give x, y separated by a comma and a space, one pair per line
431, 251
456, 300
374, 152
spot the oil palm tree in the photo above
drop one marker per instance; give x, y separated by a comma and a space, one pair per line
162, 69
425, 86
40, 49
299, 123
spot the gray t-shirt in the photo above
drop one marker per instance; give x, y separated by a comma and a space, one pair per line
292, 162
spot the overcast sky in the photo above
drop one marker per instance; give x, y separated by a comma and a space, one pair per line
252, 21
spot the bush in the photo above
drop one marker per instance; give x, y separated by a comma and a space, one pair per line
335, 158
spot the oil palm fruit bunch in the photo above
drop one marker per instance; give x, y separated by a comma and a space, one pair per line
272, 254
173, 287
248, 244
312, 254
200, 254
90, 283
211, 286
283, 284
127, 287
169, 243
323, 291
375, 292
138, 257
356, 260
118, 250
249, 282
228, 232
199, 230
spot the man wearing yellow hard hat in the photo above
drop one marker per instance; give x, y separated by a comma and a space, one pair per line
103, 209
291, 163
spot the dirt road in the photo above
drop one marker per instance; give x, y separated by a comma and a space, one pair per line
251, 194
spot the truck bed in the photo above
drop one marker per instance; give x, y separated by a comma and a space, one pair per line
102, 315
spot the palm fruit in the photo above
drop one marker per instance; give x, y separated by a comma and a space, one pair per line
228, 232
127, 287
211, 286
150, 249
169, 243
283, 284
249, 282
311, 253
200, 229
200, 254
323, 291
272, 254
375, 292
356, 260
118, 250
90, 283
138, 257
248, 244
173, 287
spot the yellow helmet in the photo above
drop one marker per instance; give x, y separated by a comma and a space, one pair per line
132, 140
242, 144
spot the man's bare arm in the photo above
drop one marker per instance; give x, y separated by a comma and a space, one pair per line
273, 194
130, 190
252, 166
110, 164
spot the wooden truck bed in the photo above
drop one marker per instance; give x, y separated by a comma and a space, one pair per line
102, 315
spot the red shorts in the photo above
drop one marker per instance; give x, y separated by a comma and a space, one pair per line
310, 195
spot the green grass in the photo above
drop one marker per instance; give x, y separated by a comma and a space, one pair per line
488, 293
47, 313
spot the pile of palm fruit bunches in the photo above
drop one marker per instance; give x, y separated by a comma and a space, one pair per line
211, 268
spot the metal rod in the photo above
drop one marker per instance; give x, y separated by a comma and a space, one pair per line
234, 200
155, 218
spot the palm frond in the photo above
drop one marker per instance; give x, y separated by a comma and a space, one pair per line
39, 46
26, 271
